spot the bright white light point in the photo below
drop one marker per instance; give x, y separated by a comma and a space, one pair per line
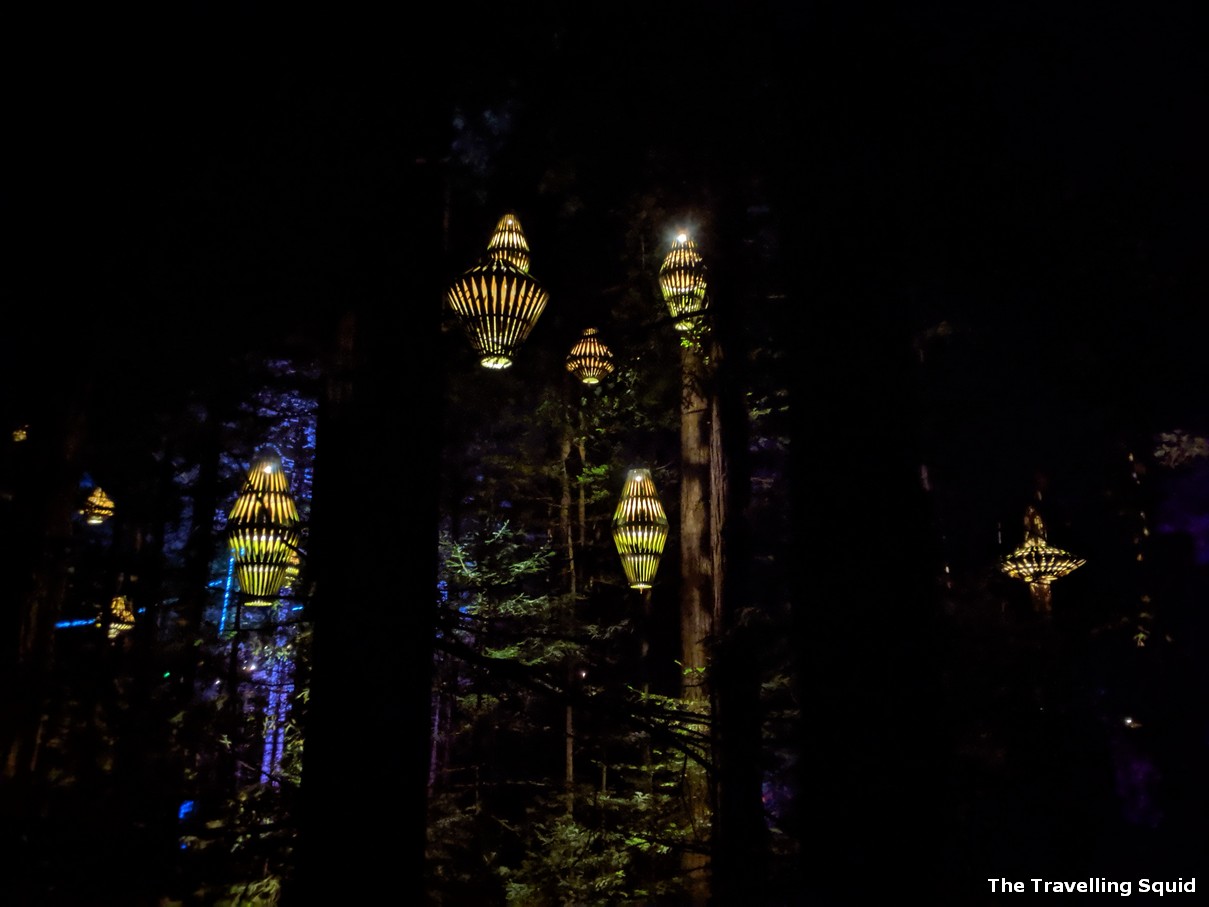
1128, 721
683, 237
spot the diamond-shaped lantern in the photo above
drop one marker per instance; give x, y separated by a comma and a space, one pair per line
640, 528
589, 360
263, 531
498, 302
1039, 563
682, 283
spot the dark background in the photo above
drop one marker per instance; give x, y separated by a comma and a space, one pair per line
1030, 176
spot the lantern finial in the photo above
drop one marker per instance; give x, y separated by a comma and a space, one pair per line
508, 243
682, 282
640, 528
263, 530
498, 302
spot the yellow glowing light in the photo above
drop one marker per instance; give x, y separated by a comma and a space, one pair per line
263, 531
498, 302
682, 283
98, 508
590, 360
1037, 562
121, 616
640, 529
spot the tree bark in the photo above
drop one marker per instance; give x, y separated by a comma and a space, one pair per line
697, 601
374, 547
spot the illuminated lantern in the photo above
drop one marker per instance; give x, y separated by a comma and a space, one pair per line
498, 302
263, 531
589, 360
121, 616
1039, 563
682, 282
98, 508
640, 529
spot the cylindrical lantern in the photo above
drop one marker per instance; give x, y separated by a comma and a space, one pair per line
682, 282
263, 531
589, 360
640, 528
498, 302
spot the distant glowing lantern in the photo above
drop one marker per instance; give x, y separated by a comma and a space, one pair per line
589, 360
682, 282
1039, 563
121, 616
498, 302
98, 508
263, 531
640, 529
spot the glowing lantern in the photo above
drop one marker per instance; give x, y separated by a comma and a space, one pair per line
263, 531
98, 508
589, 360
121, 616
498, 302
640, 528
1037, 562
682, 282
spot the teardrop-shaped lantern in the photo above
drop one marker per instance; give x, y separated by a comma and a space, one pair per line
498, 302
589, 360
682, 282
640, 528
263, 531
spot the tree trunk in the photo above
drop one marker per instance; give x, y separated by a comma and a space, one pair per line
374, 557
697, 600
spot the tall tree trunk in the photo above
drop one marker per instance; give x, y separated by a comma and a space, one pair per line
374, 548
739, 831
565, 527
697, 600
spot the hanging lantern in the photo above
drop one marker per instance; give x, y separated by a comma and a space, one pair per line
498, 302
1038, 563
682, 282
640, 528
263, 531
121, 616
589, 360
98, 508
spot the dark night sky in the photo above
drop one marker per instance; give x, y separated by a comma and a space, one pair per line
1032, 174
